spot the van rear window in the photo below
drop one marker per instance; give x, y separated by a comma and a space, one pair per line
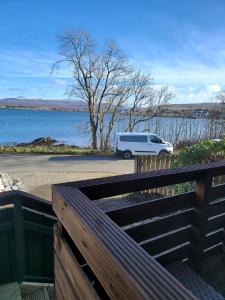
134, 138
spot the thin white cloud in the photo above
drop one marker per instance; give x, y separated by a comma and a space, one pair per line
195, 94
193, 63
214, 88
29, 64
60, 82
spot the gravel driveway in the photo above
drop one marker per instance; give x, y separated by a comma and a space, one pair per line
38, 172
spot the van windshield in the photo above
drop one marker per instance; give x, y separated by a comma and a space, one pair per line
134, 138
155, 139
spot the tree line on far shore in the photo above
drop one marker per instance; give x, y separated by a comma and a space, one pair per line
103, 76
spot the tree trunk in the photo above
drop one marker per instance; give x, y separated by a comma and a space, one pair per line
101, 136
107, 143
94, 140
93, 127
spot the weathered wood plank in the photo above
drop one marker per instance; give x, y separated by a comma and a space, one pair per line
217, 208
58, 292
218, 191
168, 241
214, 238
124, 269
152, 208
78, 279
65, 285
216, 223
168, 257
160, 226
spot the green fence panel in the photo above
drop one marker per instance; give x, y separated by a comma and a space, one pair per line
7, 246
26, 245
38, 236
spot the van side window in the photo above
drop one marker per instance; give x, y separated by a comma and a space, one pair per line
155, 139
134, 138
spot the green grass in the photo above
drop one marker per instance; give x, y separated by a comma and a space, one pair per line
49, 150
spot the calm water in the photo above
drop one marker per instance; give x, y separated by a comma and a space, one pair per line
27, 125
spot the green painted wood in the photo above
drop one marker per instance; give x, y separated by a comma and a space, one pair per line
38, 218
6, 226
39, 279
38, 245
7, 248
37, 228
26, 242
19, 239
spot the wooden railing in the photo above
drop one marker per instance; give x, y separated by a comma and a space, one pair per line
122, 254
149, 163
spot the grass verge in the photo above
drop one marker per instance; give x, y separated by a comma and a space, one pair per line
54, 149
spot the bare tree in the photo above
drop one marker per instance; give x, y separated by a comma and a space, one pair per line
221, 97
97, 73
103, 77
145, 102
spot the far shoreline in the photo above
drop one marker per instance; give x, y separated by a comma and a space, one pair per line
40, 109
86, 111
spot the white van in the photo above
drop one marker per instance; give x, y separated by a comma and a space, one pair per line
135, 143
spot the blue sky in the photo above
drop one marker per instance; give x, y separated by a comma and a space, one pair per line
181, 42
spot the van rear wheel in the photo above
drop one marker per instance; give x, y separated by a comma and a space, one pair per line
127, 154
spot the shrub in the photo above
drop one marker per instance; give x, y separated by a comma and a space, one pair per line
207, 151
185, 144
203, 152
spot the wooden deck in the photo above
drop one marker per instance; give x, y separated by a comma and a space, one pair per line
215, 264
122, 253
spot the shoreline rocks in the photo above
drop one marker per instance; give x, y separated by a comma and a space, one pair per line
9, 184
42, 141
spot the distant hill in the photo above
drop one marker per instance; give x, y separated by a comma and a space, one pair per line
30, 103
76, 105
192, 106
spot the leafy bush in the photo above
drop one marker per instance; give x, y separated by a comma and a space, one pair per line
183, 144
207, 151
203, 152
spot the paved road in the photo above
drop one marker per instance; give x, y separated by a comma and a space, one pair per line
38, 172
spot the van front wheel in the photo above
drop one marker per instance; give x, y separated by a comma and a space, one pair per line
163, 152
127, 154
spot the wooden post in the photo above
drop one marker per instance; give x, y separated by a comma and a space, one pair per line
135, 164
199, 222
19, 239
